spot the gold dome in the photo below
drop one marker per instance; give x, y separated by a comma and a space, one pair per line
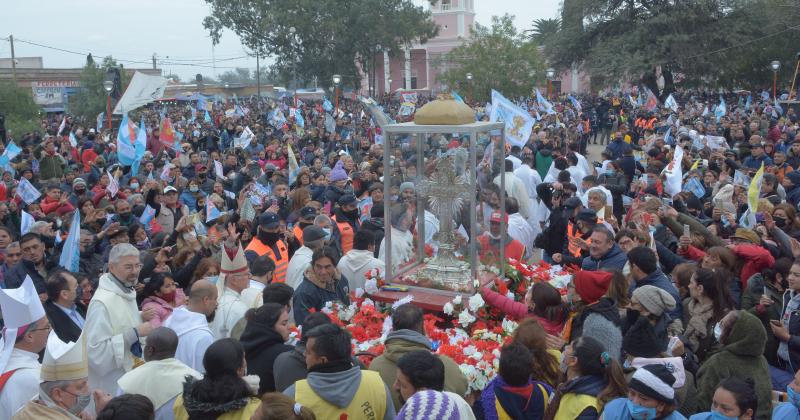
444, 111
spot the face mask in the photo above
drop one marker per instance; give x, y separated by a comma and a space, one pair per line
562, 363
79, 191
626, 364
135, 185
170, 297
193, 188
717, 331
142, 245
638, 412
212, 279
792, 396
779, 221
124, 217
196, 133
609, 172
716, 415
328, 233
493, 236
269, 237
81, 402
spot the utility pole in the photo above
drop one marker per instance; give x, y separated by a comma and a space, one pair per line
154, 61
258, 75
13, 60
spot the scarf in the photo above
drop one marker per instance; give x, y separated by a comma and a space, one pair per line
517, 402
697, 328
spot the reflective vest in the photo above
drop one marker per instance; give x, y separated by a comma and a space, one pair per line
571, 405
369, 402
572, 232
281, 261
346, 235
298, 233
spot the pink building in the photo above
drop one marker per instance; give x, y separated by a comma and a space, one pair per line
419, 65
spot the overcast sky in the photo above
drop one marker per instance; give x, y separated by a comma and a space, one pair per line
133, 31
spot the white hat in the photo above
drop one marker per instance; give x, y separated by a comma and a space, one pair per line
169, 189
228, 266
21, 306
64, 361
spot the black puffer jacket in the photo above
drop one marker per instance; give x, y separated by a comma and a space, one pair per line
262, 345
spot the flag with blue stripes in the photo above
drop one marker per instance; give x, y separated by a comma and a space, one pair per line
71, 252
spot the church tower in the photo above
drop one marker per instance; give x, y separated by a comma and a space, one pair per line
454, 17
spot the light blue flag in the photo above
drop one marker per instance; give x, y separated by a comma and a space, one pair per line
778, 107
12, 150
518, 122
694, 186
163, 112
456, 96
298, 117
126, 151
749, 103
212, 212
575, 103
72, 140
201, 103
544, 104
668, 136
207, 118
26, 221
147, 215
721, 110
71, 252
326, 105
5, 164
27, 191
632, 101
764, 95
330, 124
671, 103
194, 113
100, 118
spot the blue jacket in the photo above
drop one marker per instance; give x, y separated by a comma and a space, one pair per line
755, 163
617, 409
659, 279
614, 259
618, 147
786, 411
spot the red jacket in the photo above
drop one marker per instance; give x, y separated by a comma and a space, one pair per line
88, 156
756, 259
518, 311
50, 205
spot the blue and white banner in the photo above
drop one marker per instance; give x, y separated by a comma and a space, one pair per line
71, 252
518, 122
27, 191
544, 104
25, 223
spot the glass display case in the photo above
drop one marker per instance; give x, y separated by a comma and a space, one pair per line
434, 178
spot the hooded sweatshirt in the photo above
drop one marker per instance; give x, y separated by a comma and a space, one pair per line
355, 264
741, 356
262, 345
194, 336
400, 342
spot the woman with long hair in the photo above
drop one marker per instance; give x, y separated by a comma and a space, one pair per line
222, 393
263, 340
542, 302
764, 293
593, 379
709, 300
545, 361
785, 217
207, 267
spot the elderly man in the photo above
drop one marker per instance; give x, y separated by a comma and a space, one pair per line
190, 323
161, 377
604, 253
25, 335
64, 392
234, 279
114, 327
314, 240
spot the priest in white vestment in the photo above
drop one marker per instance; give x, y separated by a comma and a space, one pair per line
25, 321
233, 280
114, 328
190, 323
161, 377
516, 188
402, 239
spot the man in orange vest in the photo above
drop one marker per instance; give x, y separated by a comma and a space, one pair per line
269, 242
490, 240
305, 219
346, 222
578, 238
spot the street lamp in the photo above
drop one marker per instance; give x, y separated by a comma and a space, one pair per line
469, 84
336, 80
108, 86
550, 73
775, 65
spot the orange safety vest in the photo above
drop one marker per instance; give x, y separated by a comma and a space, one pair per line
346, 233
514, 249
281, 262
572, 232
650, 124
298, 233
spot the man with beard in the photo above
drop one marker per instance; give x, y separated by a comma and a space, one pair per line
268, 242
79, 192
190, 323
346, 221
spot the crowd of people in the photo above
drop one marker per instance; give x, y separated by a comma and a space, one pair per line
196, 261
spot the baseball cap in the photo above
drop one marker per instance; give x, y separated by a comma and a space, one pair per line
587, 215
78, 181
313, 233
308, 212
498, 217
347, 199
269, 220
169, 188
573, 203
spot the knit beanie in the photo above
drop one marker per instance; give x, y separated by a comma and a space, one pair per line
338, 173
654, 299
407, 186
591, 285
654, 381
429, 405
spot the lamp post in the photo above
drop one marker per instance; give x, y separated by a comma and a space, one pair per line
108, 86
336, 80
469, 85
775, 65
550, 72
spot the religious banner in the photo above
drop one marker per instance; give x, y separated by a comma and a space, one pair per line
518, 122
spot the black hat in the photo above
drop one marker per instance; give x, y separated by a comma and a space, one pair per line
587, 215
313, 233
347, 199
573, 203
654, 381
269, 220
308, 212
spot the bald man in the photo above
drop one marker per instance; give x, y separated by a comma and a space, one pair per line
161, 377
190, 323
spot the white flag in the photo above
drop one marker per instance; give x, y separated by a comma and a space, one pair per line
218, 170
26, 221
27, 191
142, 90
674, 173
113, 185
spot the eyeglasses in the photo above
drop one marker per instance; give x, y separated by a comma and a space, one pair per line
47, 328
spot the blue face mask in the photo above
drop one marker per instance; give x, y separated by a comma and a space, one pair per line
213, 279
638, 412
328, 233
792, 396
716, 415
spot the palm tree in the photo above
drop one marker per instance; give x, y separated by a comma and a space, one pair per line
543, 30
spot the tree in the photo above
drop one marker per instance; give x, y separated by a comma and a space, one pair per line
330, 36
21, 113
238, 76
499, 58
91, 99
543, 30
710, 43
